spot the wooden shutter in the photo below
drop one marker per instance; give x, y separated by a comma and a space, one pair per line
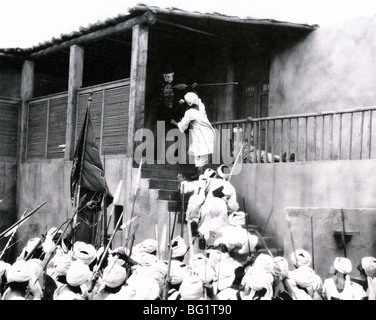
57, 124
8, 128
108, 114
115, 120
37, 130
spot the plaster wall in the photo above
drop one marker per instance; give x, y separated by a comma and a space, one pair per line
331, 69
269, 189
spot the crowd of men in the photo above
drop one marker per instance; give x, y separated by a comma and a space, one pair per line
219, 261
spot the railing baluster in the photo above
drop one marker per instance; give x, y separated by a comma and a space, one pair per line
340, 136
281, 153
314, 138
331, 137
266, 140
273, 145
259, 141
323, 138
370, 135
250, 142
351, 135
289, 143
297, 139
361, 135
306, 140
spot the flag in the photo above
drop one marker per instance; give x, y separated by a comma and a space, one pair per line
87, 169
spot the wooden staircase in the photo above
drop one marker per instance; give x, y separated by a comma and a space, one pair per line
163, 182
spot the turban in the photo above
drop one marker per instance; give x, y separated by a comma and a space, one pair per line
4, 266
225, 274
304, 276
205, 272
209, 173
78, 273
147, 259
178, 271
146, 287
281, 267
84, 252
197, 260
258, 279
213, 216
179, 248
342, 265
148, 246
31, 244
237, 218
303, 256
19, 271
114, 275
62, 265
369, 266
191, 98
191, 288
265, 261
224, 171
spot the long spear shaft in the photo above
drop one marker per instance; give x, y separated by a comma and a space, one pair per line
312, 241
292, 240
343, 232
21, 220
12, 236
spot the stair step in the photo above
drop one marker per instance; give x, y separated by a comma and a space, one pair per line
164, 184
175, 206
166, 174
165, 195
165, 166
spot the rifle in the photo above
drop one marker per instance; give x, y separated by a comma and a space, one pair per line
313, 251
168, 280
12, 236
264, 243
50, 255
246, 227
292, 240
4, 233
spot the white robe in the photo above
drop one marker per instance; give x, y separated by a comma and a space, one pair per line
202, 134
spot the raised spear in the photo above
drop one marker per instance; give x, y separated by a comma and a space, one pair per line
292, 239
4, 233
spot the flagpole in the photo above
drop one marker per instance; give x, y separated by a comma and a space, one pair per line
82, 163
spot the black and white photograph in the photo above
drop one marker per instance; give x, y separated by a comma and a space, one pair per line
209, 151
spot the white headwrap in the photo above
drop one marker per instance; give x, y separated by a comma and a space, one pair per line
191, 98
304, 276
344, 266
146, 288
281, 267
4, 266
258, 279
78, 273
225, 274
178, 271
84, 252
205, 272
179, 248
369, 266
265, 261
148, 245
197, 260
237, 218
303, 256
114, 275
19, 271
62, 264
191, 288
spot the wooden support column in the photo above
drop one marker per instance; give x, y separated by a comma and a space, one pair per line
76, 66
27, 90
140, 36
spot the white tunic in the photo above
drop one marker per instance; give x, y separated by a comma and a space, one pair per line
201, 133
